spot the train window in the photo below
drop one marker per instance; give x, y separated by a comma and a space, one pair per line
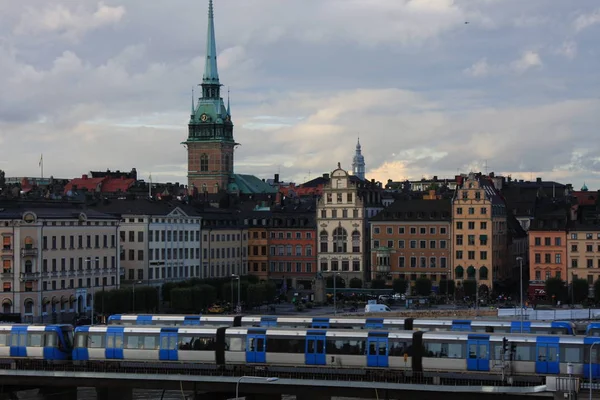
51, 339
96, 341
444, 350
286, 345
81, 340
347, 347
569, 353
3, 339
398, 349
35, 339
18, 340
140, 342
132, 342
234, 344
118, 342
196, 343
68, 336
524, 352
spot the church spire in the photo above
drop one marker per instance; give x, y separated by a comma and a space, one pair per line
193, 108
228, 105
358, 162
211, 74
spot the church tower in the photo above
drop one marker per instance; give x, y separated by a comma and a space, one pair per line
210, 143
358, 163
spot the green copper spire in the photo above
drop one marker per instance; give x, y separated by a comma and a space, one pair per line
211, 74
228, 105
193, 108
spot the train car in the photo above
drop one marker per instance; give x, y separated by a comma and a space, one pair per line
36, 342
415, 351
487, 326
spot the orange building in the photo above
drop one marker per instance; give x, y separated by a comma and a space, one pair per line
547, 251
258, 256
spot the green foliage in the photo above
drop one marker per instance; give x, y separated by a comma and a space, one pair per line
118, 301
580, 290
399, 286
469, 287
356, 283
339, 282
260, 293
378, 284
423, 286
554, 288
193, 299
447, 287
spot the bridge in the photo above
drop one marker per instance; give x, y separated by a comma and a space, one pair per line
270, 383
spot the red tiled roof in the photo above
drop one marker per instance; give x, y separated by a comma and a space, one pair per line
84, 182
586, 198
116, 185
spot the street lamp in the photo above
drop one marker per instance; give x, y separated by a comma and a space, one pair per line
591, 376
335, 275
237, 385
520, 260
133, 296
239, 304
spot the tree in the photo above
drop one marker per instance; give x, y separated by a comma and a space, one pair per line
339, 282
447, 287
423, 286
597, 290
580, 290
356, 283
469, 287
554, 288
399, 286
378, 284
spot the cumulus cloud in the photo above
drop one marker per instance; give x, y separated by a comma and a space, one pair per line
68, 22
584, 21
306, 80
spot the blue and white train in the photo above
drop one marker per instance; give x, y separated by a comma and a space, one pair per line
36, 342
463, 325
415, 351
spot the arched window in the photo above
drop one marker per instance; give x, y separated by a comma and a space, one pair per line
28, 267
323, 238
471, 272
483, 273
298, 250
308, 250
459, 272
204, 163
28, 306
356, 242
339, 240
28, 242
280, 250
288, 250
6, 306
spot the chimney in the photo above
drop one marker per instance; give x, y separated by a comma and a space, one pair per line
538, 180
84, 177
435, 178
276, 178
326, 176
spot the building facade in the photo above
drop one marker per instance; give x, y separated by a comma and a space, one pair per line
210, 142
341, 227
583, 248
258, 244
479, 233
55, 259
224, 245
292, 250
412, 239
160, 240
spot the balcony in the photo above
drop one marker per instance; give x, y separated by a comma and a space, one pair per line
383, 269
30, 276
7, 251
29, 252
7, 274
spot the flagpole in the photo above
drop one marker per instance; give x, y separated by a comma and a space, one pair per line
42, 165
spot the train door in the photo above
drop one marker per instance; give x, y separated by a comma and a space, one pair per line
256, 346
18, 341
377, 349
592, 357
114, 344
478, 347
168, 344
315, 348
547, 355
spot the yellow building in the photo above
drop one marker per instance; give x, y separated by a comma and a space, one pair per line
583, 252
479, 233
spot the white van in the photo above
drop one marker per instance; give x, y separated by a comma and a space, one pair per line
373, 308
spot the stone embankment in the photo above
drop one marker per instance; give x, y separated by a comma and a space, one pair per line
432, 314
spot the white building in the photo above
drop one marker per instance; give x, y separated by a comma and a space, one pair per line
54, 257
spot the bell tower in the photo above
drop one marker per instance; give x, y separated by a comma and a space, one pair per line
210, 143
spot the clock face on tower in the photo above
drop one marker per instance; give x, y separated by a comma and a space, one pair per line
204, 118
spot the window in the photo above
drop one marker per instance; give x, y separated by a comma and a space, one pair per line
483, 210
483, 225
459, 240
574, 236
323, 238
204, 163
339, 240
557, 258
471, 239
423, 231
537, 241
538, 258
471, 224
547, 258
401, 262
547, 241
471, 254
413, 244
140, 255
459, 225
471, 210
483, 255
401, 230
589, 236
442, 231
557, 241
459, 254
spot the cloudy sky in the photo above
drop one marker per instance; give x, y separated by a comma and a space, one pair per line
432, 87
